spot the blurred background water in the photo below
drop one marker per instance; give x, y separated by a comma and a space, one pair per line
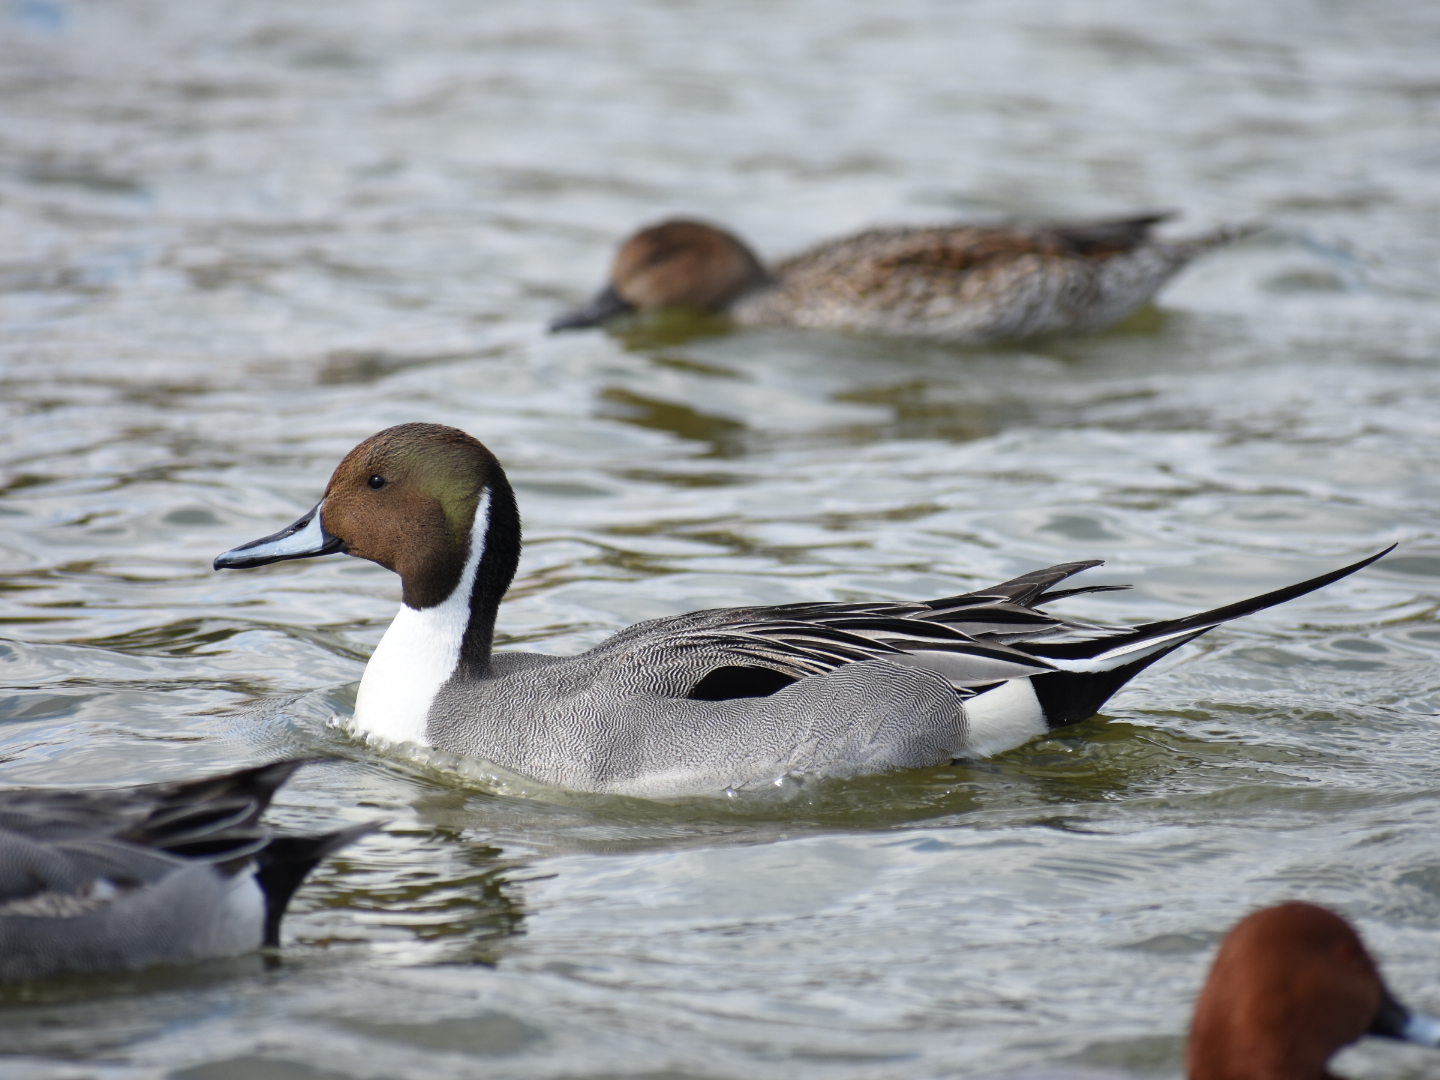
240, 237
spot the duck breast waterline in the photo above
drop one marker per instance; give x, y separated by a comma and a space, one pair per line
705, 701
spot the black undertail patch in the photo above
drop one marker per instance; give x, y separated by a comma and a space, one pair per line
1067, 697
284, 863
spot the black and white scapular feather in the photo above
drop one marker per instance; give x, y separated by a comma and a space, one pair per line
117, 879
702, 702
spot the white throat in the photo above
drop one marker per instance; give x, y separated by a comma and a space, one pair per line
418, 654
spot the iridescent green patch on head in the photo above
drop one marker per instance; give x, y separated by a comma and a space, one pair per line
453, 472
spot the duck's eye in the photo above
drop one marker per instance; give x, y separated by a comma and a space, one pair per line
376, 482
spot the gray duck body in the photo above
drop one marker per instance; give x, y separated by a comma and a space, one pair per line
121, 879
740, 697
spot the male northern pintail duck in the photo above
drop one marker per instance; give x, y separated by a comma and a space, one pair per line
120, 879
1291, 985
701, 702
965, 284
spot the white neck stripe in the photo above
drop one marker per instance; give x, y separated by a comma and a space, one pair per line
419, 653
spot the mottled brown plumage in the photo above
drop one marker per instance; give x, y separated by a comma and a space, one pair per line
965, 284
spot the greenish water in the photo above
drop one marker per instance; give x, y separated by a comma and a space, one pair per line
238, 238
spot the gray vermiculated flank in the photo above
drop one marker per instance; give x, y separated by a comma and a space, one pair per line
878, 687
606, 728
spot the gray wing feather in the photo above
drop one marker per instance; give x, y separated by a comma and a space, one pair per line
29, 868
966, 639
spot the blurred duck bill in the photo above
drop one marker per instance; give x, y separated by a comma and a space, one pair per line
1422, 1029
1395, 1021
302, 540
606, 305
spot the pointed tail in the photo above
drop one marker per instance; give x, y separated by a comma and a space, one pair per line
1091, 671
1190, 247
1111, 235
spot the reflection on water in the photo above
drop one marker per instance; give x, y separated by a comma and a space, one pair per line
723, 435
242, 238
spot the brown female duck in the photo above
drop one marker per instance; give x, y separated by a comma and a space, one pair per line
965, 284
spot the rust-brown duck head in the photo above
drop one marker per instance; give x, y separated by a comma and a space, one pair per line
676, 264
406, 498
1291, 985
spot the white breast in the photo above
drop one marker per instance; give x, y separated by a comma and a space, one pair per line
418, 654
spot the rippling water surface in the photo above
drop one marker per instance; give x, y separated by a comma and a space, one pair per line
238, 238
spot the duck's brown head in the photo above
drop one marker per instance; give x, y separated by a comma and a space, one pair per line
676, 264
415, 498
1291, 985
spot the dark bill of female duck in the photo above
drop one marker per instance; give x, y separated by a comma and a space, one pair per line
709, 700
117, 879
605, 305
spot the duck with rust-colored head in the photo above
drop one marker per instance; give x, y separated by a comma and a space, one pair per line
965, 284
697, 703
1291, 986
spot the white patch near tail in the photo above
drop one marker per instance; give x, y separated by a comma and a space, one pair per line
1003, 718
241, 927
418, 654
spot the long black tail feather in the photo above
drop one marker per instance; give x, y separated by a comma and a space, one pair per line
1067, 697
1205, 620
